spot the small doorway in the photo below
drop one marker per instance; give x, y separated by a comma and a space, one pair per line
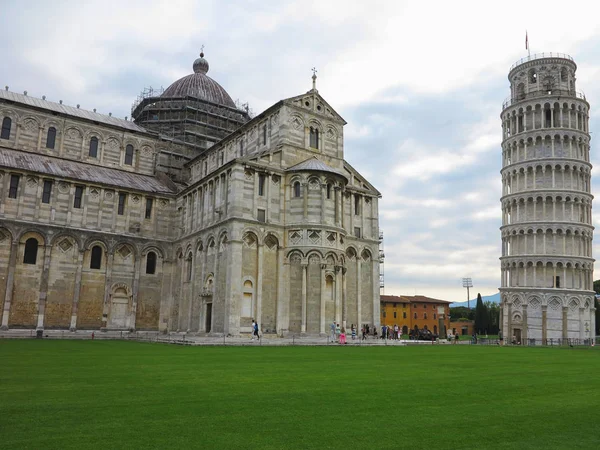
517, 335
208, 316
119, 308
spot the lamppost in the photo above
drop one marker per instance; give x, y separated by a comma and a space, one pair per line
468, 283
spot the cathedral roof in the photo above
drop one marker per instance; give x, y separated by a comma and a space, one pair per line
200, 85
64, 168
315, 165
69, 110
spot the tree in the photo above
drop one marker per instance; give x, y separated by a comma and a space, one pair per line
597, 286
481, 316
493, 317
462, 312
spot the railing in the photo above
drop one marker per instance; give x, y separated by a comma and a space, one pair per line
147, 93
537, 94
550, 342
541, 56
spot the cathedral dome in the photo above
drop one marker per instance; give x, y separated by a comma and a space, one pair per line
200, 85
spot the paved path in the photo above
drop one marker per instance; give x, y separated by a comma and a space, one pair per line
193, 339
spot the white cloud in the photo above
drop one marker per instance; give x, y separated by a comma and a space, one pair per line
424, 80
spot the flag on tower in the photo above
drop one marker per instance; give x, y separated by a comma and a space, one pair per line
526, 41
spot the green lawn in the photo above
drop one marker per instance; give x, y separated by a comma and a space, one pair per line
111, 394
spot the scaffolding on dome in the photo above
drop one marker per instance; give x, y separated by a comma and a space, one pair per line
188, 119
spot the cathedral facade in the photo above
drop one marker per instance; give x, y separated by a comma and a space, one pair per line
193, 216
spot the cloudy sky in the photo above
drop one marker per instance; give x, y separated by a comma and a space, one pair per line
421, 84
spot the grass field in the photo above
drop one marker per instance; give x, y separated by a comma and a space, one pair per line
111, 394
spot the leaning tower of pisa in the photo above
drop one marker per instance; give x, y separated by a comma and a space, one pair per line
547, 264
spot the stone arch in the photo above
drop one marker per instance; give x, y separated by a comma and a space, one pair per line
66, 234
351, 252
314, 252
271, 241
153, 248
90, 133
96, 240
30, 123
555, 303
74, 132
297, 121
313, 122
331, 132
295, 255
120, 247
258, 235
331, 258
366, 254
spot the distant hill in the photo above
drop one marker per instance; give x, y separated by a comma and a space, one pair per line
495, 298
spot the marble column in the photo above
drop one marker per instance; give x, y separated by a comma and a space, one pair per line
338, 294
107, 285
344, 297
76, 290
323, 287
358, 288
283, 292
259, 285
134, 293
10, 281
565, 322
304, 270
525, 325
44, 287
544, 324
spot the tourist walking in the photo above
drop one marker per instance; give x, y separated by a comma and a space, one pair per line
353, 332
343, 336
332, 329
456, 338
364, 333
252, 332
338, 331
256, 331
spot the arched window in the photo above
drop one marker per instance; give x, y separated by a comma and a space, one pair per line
151, 263
314, 137
328, 191
563, 74
129, 154
424, 315
31, 248
415, 316
189, 267
532, 76
94, 147
297, 192
261, 184
247, 299
96, 259
51, 138
6, 124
